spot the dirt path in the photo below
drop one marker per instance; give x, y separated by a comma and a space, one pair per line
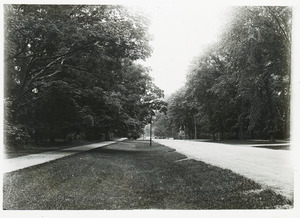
271, 168
132, 175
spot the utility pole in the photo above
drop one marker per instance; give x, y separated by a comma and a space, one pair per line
151, 131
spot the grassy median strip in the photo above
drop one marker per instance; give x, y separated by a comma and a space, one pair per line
133, 175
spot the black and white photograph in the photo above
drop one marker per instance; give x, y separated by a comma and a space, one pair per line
150, 108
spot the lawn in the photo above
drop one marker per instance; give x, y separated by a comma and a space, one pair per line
132, 175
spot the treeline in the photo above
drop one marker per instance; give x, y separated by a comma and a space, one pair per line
240, 86
71, 72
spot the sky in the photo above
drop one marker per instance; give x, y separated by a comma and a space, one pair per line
180, 32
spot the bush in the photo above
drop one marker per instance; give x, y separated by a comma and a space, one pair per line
16, 135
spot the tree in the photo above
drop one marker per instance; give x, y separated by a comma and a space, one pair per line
70, 69
259, 44
240, 85
161, 126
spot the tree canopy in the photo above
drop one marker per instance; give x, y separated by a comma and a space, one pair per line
71, 69
240, 86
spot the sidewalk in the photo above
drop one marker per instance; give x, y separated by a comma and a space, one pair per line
22, 162
270, 168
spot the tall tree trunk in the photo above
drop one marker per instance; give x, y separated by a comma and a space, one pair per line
107, 135
213, 136
195, 123
241, 132
52, 136
240, 120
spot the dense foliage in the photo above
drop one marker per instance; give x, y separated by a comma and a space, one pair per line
71, 71
240, 86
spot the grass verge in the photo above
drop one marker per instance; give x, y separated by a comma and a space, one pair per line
132, 175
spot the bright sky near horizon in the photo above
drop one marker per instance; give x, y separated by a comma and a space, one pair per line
180, 32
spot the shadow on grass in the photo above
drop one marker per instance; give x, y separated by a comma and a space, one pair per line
132, 175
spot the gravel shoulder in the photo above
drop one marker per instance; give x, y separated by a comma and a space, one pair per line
132, 175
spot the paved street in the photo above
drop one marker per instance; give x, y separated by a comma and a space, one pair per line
271, 168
